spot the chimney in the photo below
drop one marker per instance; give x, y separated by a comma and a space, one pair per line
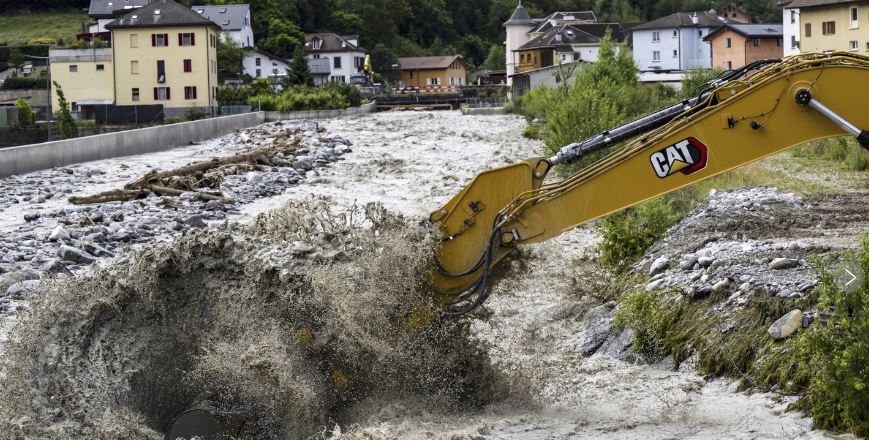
694, 18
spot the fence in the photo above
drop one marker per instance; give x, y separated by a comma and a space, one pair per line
322, 114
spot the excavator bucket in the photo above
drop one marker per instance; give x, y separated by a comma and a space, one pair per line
468, 219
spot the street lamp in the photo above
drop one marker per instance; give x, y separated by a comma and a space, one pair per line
47, 91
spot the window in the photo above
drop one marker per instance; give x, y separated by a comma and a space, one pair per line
161, 71
828, 28
134, 67
675, 54
700, 33
852, 45
728, 42
656, 37
162, 94
808, 30
136, 94
359, 62
259, 73
756, 42
190, 92
337, 78
656, 55
411, 74
730, 65
159, 40
793, 41
101, 67
274, 71
576, 57
778, 42
258, 61
188, 66
73, 67
134, 40
867, 46
854, 17
187, 39
434, 81
337, 62
316, 43
793, 16
675, 34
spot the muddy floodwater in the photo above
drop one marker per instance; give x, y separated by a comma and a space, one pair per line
290, 324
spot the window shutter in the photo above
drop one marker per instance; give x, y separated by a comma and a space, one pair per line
153, 40
168, 93
155, 94
193, 41
166, 39
180, 39
194, 92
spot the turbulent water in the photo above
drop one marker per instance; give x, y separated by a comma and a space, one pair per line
274, 327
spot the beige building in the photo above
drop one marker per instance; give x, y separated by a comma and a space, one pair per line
165, 54
433, 74
827, 25
86, 76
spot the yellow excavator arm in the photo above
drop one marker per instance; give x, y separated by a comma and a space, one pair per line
738, 119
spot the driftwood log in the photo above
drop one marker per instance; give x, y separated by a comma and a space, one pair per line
198, 176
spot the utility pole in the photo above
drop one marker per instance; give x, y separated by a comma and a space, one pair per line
47, 90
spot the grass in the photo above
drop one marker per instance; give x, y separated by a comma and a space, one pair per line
21, 28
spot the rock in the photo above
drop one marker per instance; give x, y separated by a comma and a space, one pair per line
600, 327
705, 261
55, 266
174, 226
97, 250
7, 280
22, 289
31, 217
213, 205
721, 286
58, 234
783, 263
786, 325
75, 255
659, 265
688, 262
195, 221
700, 291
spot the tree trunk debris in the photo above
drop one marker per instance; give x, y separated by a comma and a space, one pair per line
199, 177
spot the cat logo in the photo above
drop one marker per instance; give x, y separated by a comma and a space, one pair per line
685, 156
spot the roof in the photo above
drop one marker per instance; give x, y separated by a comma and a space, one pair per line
108, 8
423, 63
816, 3
266, 54
685, 19
160, 13
319, 66
330, 42
758, 30
520, 17
558, 18
566, 35
228, 17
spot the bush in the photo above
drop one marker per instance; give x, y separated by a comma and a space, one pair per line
21, 82
844, 150
645, 313
301, 98
837, 351
349, 91
194, 114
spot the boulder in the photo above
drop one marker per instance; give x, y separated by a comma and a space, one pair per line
721, 286
58, 234
659, 265
786, 325
75, 255
783, 263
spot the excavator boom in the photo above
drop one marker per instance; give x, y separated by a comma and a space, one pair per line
737, 120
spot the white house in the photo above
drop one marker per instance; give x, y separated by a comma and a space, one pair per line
259, 64
234, 21
675, 42
790, 28
345, 57
103, 12
522, 29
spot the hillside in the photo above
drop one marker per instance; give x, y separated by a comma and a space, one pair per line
19, 28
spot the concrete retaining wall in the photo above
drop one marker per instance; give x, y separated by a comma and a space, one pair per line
483, 111
322, 114
28, 158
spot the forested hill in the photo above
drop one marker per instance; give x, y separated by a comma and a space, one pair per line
391, 28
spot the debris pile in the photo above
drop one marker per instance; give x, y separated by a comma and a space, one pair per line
268, 160
273, 327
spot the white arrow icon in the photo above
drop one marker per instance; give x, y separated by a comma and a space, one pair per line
853, 277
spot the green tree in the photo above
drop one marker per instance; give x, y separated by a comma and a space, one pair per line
284, 37
497, 58
68, 129
299, 74
25, 113
229, 59
16, 59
